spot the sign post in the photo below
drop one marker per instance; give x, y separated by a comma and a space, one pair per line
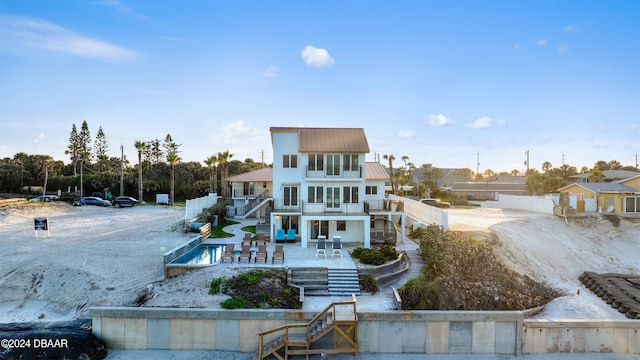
41, 223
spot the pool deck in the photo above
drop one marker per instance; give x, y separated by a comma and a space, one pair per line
297, 256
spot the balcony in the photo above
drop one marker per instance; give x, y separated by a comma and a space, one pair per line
353, 209
334, 172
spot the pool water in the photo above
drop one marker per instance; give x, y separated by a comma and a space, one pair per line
202, 254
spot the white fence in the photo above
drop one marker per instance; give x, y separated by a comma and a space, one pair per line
423, 213
540, 204
195, 206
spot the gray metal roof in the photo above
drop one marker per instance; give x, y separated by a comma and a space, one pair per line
598, 187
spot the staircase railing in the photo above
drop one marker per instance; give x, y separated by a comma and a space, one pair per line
309, 336
255, 201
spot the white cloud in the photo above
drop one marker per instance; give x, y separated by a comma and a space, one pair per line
146, 89
38, 138
481, 123
123, 9
542, 42
562, 48
438, 120
635, 127
516, 46
502, 123
271, 72
319, 57
570, 28
406, 134
44, 35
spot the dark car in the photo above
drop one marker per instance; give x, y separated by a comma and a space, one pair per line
122, 201
91, 200
437, 203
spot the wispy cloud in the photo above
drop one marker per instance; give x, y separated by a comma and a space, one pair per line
438, 120
481, 123
542, 42
44, 35
562, 48
238, 133
146, 89
570, 28
124, 9
318, 57
271, 72
516, 46
406, 134
502, 123
634, 127
38, 138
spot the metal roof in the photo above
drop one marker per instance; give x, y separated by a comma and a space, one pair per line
260, 175
375, 171
329, 140
598, 187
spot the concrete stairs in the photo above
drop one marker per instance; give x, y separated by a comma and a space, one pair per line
343, 282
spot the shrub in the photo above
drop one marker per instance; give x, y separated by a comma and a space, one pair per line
375, 256
234, 303
368, 283
215, 286
208, 214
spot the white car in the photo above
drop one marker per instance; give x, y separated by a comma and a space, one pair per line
47, 198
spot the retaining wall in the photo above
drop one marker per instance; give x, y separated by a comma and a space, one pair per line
529, 203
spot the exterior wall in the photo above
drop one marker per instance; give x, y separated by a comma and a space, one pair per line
604, 199
633, 183
411, 332
284, 144
546, 336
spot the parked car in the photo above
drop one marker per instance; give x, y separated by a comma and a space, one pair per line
437, 203
122, 201
91, 200
47, 198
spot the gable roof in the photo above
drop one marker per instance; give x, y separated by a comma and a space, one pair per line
260, 175
329, 140
609, 175
600, 187
375, 171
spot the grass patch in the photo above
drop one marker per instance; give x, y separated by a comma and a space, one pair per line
257, 289
217, 232
249, 228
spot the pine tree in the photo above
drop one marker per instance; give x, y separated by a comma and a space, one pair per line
73, 148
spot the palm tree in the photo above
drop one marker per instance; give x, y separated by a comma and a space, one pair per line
140, 145
223, 159
173, 159
390, 158
212, 162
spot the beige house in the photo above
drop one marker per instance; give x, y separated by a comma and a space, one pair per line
620, 197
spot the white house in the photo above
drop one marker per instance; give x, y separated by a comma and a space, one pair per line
321, 188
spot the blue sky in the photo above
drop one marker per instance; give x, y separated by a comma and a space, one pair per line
437, 81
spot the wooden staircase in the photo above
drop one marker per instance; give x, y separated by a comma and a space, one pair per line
339, 318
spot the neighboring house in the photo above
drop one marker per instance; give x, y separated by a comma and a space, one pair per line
322, 185
444, 177
251, 192
608, 176
489, 190
621, 196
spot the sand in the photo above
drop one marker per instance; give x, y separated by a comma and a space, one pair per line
109, 257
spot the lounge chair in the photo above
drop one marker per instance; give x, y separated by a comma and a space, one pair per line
262, 238
337, 247
279, 236
247, 240
321, 247
291, 235
261, 254
278, 253
228, 253
245, 253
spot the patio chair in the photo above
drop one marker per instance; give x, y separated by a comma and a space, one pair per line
321, 247
247, 240
228, 253
262, 238
245, 253
278, 254
291, 235
279, 236
337, 247
261, 254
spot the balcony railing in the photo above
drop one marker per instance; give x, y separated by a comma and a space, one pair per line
334, 172
360, 208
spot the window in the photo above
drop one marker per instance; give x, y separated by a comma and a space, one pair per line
316, 162
319, 227
333, 164
371, 190
341, 225
350, 194
632, 204
350, 162
289, 161
333, 197
315, 195
290, 195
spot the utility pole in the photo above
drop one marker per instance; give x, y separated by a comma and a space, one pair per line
122, 170
636, 160
478, 163
526, 162
563, 157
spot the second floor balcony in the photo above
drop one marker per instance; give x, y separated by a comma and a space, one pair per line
334, 172
353, 209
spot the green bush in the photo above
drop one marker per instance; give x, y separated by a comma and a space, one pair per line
375, 256
234, 303
368, 283
208, 214
215, 286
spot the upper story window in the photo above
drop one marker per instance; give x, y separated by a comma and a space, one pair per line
316, 162
350, 194
371, 190
289, 161
350, 162
315, 194
333, 164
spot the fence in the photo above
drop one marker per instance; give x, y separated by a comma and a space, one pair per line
529, 203
195, 206
422, 213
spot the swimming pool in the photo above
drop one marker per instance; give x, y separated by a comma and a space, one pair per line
201, 255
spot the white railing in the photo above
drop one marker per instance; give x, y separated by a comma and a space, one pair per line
424, 213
